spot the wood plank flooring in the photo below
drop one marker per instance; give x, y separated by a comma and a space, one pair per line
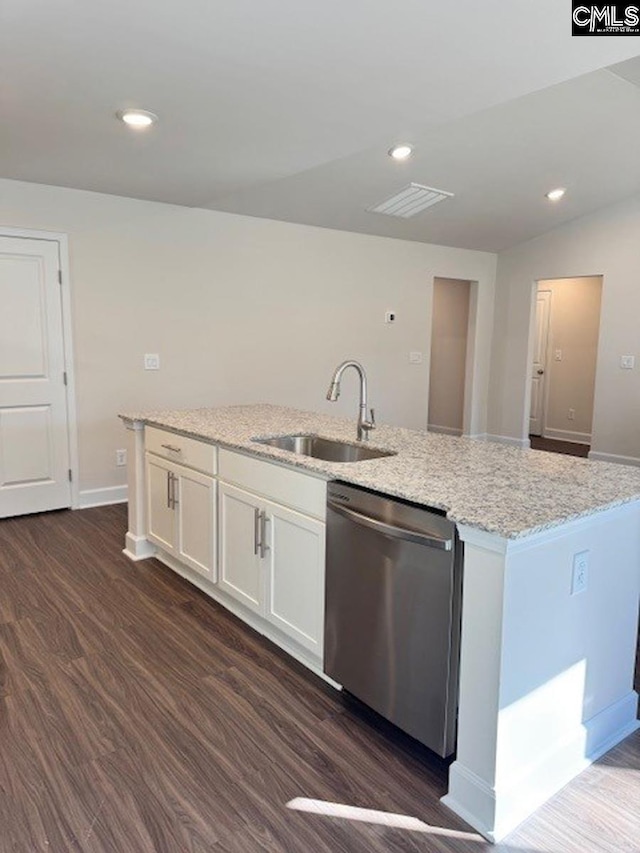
138, 715
553, 445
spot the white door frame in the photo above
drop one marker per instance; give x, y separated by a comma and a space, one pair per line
63, 255
531, 345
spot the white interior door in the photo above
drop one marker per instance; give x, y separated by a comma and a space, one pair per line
539, 367
34, 435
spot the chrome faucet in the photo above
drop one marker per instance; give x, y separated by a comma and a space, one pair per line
364, 426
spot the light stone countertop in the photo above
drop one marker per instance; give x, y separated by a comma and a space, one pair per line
498, 488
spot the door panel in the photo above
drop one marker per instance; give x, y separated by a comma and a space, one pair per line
26, 447
161, 515
240, 565
196, 521
296, 578
23, 334
34, 442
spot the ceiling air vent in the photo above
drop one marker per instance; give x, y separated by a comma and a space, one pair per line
412, 199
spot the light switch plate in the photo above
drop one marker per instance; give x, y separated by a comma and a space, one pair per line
151, 361
627, 362
415, 358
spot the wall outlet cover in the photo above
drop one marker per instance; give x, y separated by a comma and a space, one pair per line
580, 572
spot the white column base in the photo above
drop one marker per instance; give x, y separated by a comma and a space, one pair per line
495, 812
138, 547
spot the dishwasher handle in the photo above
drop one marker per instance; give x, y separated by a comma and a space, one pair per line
391, 529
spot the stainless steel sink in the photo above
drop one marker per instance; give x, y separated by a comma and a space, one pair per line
324, 448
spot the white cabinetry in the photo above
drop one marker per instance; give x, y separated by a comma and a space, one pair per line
295, 575
272, 554
252, 530
241, 522
181, 502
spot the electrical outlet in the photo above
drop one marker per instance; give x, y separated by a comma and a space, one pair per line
558, 355
571, 414
580, 573
627, 362
415, 358
151, 361
121, 458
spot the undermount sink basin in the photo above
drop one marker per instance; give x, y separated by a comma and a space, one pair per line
324, 448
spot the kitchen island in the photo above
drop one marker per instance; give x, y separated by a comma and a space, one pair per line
550, 594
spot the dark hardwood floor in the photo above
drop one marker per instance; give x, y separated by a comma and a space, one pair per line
552, 445
138, 715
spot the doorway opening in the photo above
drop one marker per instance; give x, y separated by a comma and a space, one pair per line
451, 355
563, 370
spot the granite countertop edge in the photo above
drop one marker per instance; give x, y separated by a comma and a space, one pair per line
502, 490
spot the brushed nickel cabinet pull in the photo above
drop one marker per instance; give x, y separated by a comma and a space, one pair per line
263, 534
256, 530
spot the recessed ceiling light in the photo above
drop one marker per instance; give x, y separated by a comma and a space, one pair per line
137, 118
401, 152
555, 195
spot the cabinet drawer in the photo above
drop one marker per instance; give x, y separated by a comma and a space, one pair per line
180, 448
303, 492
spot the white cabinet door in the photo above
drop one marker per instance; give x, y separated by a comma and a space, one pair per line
181, 507
160, 512
295, 576
241, 573
195, 501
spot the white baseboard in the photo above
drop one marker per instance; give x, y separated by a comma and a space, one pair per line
102, 497
568, 435
495, 812
507, 439
445, 429
613, 457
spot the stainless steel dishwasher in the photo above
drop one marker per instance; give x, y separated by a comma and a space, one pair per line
392, 624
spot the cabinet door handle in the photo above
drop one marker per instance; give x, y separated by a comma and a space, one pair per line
263, 534
172, 448
174, 491
169, 476
256, 530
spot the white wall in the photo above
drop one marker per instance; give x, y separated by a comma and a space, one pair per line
240, 310
608, 244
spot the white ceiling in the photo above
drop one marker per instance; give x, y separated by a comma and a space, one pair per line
286, 109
